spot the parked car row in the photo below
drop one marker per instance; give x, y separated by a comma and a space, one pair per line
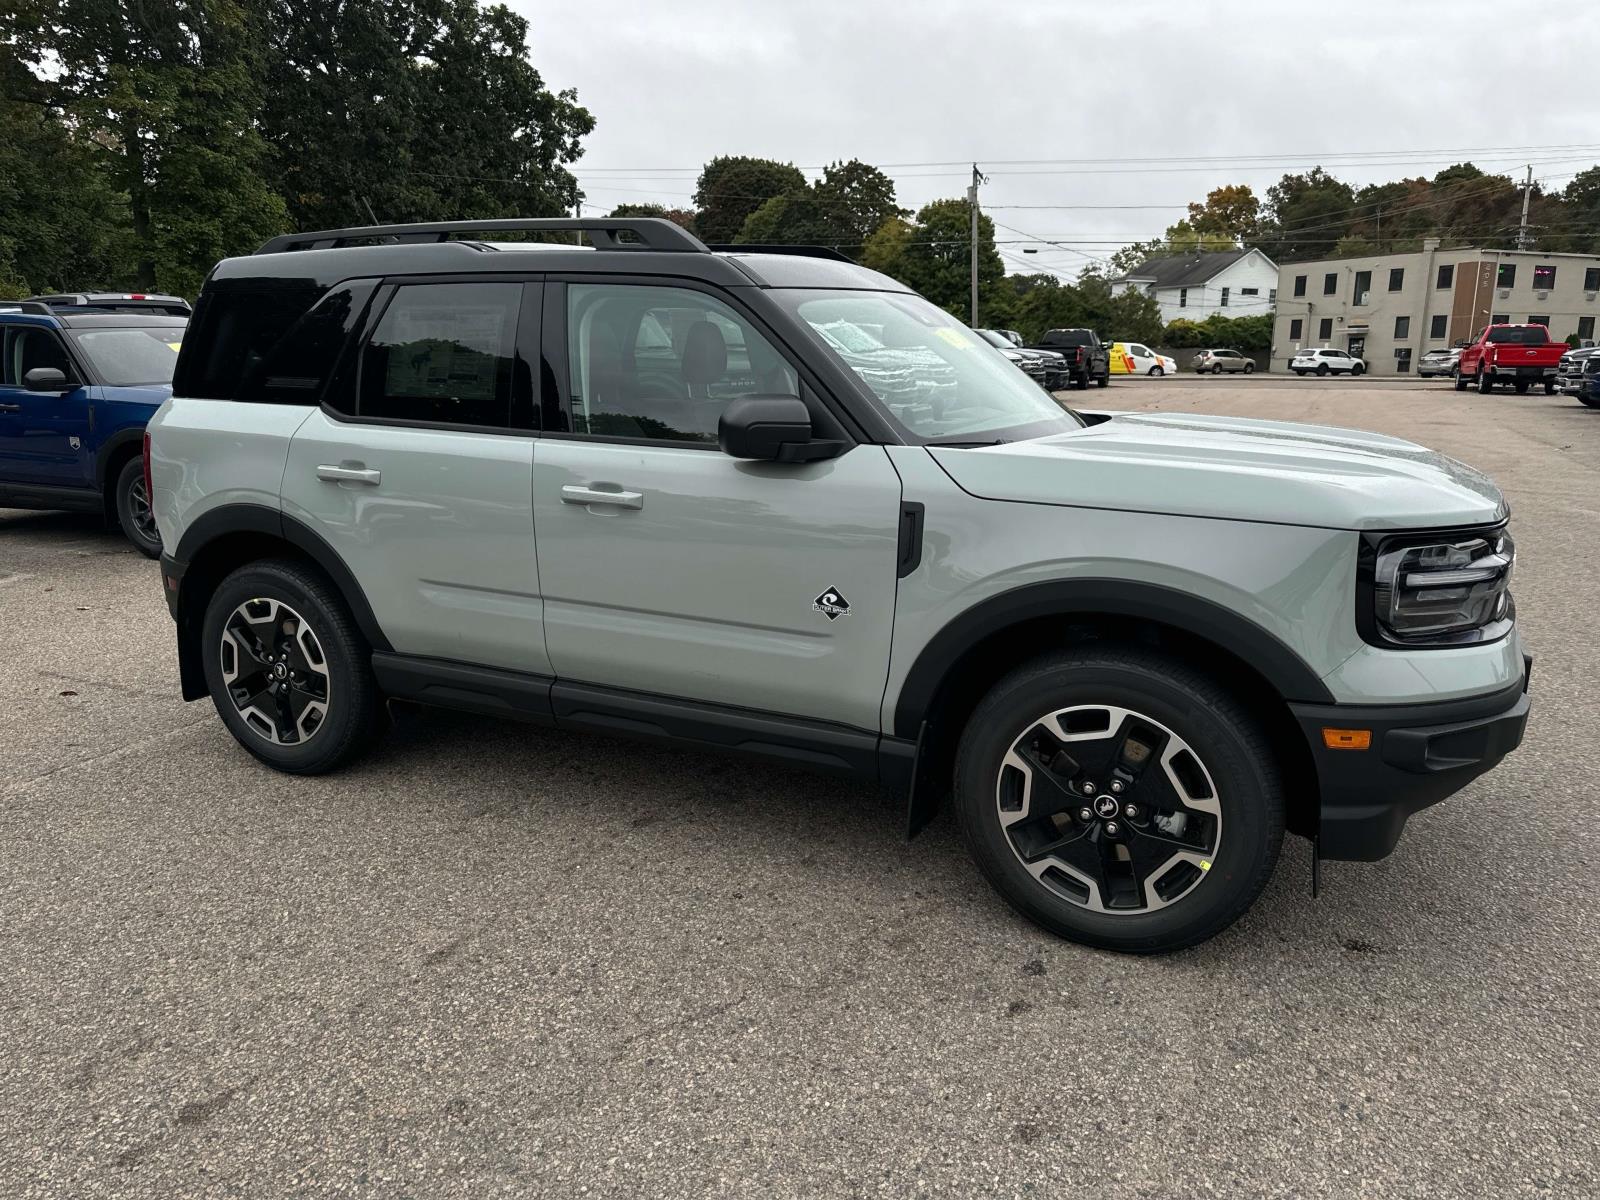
80, 375
1576, 374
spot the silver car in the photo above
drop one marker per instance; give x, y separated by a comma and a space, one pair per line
1437, 363
1218, 361
779, 506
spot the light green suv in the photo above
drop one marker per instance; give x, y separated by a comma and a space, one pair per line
773, 503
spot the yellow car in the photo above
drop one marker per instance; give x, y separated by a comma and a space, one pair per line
1132, 358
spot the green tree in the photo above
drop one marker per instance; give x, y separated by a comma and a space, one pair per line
841, 210
678, 216
166, 94
409, 110
886, 247
1306, 216
62, 225
1582, 199
731, 187
936, 259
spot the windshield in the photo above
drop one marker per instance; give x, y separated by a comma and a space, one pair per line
1532, 335
131, 357
936, 378
994, 339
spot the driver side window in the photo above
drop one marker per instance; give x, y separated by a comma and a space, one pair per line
27, 347
662, 362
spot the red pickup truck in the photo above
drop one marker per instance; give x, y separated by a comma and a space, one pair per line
1521, 355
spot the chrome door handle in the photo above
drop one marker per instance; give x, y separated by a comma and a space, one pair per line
573, 493
332, 474
10, 408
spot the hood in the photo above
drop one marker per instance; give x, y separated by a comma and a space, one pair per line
1233, 468
153, 394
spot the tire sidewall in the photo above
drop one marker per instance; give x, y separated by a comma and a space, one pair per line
1251, 808
347, 675
129, 474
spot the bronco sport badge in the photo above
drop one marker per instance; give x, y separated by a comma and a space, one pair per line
832, 603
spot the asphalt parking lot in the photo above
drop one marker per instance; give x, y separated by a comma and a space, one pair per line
501, 961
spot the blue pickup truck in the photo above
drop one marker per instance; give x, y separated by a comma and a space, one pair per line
79, 377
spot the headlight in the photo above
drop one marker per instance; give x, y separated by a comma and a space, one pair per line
1437, 589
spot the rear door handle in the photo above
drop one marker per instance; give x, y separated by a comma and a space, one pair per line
573, 493
10, 408
332, 474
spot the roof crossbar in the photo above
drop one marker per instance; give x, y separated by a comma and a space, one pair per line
653, 233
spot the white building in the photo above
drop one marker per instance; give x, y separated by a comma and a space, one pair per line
1234, 283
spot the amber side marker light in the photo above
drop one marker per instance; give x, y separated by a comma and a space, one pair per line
1347, 739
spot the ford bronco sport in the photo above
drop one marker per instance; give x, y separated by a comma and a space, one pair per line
777, 504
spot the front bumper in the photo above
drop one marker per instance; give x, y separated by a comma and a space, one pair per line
1419, 755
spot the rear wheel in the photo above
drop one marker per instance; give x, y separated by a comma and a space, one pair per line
132, 500
1216, 369
1322, 368
289, 673
1102, 381
1120, 798
1300, 371
1081, 383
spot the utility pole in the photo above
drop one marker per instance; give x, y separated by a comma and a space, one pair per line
972, 207
1524, 241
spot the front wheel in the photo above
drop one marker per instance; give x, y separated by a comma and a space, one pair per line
1249, 368
289, 673
1358, 369
132, 501
1484, 384
1102, 381
1549, 388
1120, 798
1157, 370
1081, 383
1461, 381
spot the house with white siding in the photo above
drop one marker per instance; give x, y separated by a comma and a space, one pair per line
1234, 283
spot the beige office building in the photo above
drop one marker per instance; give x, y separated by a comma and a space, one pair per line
1391, 309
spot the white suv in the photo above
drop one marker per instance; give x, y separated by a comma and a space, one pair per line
1327, 361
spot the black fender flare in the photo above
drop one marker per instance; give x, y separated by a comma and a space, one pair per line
230, 519
1285, 670
109, 450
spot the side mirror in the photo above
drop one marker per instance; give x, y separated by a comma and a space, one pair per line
773, 428
45, 379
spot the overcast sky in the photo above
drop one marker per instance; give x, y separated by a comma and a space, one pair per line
672, 83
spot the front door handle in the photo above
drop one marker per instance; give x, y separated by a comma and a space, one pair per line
573, 493
342, 474
10, 408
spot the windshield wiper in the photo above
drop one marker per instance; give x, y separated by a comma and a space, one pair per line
958, 444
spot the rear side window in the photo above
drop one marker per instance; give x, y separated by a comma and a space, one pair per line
268, 340
443, 354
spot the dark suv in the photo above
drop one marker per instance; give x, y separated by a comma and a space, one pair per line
80, 375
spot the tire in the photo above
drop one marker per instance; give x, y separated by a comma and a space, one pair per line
1460, 381
1102, 381
132, 502
1158, 370
1081, 383
1549, 388
1484, 384
1322, 368
1230, 769
1357, 370
1216, 369
1249, 368
1589, 401
300, 742
1300, 372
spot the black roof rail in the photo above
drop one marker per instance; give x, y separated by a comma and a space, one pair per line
653, 233
781, 248
38, 307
